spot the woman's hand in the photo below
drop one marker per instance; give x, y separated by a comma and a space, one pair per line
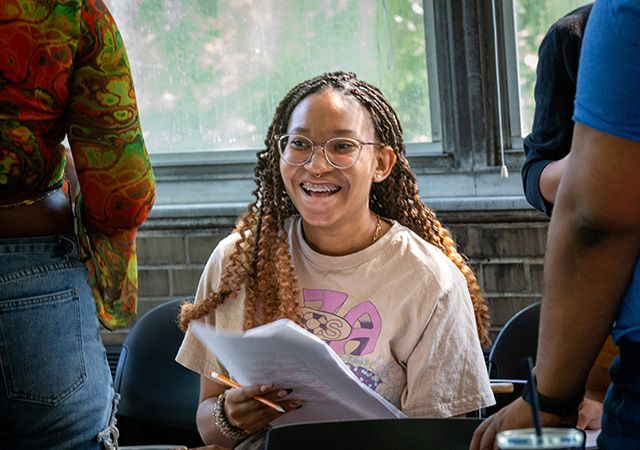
243, 411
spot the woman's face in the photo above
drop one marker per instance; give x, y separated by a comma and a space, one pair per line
330, 199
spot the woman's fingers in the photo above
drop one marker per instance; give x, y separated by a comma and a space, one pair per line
247, 393
244, 411
268, 414
275, 394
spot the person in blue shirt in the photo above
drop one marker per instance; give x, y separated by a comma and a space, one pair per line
592, 278
547, 149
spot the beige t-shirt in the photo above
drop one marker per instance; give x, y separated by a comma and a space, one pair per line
398, 313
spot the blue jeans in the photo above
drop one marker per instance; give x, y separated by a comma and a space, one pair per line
621, 415
56, 390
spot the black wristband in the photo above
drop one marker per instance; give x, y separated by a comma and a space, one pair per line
559, 407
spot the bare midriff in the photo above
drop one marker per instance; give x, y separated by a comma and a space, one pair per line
50, 216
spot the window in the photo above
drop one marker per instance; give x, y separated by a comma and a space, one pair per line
209, 73
527, 21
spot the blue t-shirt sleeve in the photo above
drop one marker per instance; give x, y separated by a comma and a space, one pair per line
608, 90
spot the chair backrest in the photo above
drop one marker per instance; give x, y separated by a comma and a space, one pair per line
380, 434
157, 394
517, 339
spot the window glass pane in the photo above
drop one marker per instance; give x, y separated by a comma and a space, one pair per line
209, 73
533, 18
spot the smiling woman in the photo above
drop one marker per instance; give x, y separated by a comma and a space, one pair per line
339, 240
331, 189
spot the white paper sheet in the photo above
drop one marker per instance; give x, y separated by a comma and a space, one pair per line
282, 352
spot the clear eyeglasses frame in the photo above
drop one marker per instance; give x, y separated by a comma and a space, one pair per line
340, 152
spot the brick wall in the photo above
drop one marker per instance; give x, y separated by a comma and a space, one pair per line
507, 253
505, 248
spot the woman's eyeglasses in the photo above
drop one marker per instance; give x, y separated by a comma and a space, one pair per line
340, 152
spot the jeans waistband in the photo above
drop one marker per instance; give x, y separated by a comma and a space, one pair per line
55, 245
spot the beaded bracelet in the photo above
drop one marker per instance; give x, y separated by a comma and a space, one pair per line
222, 422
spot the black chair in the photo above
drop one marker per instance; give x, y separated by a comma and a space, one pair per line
159, 397
379, 434
517, 339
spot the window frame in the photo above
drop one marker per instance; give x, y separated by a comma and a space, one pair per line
512, 71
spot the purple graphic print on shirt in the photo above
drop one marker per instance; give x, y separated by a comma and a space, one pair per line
354, 332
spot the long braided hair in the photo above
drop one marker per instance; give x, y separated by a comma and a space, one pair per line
261, 259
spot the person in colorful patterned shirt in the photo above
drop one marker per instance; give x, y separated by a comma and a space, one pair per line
339, 241
67, 244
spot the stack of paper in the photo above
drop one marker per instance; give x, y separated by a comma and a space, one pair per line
284, 353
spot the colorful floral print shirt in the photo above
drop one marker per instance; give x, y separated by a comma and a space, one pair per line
64, 71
